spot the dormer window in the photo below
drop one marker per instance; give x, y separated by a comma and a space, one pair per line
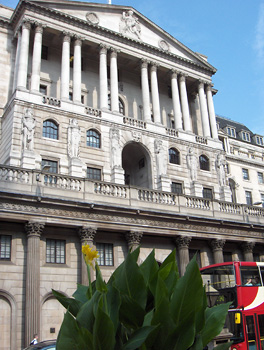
245, 136
231, 131
259, 140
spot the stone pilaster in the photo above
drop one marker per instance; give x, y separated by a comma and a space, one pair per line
103, 78
32, 312
184, 104
133, 239
211, 111
247, 248
204, 111
217, 246
65, 67
155, 93
23, 59
86, 235
36, 59
114, 81
176, 101
18, 48
77, 71
145, 91
182, 243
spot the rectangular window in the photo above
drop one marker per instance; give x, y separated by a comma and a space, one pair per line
44, 52
207, 193
43, 89
51, 166
106, 257
176, 187
245, 136
245, 174
248, 197
5, 247
55, 251
260, 178
259, 140
231, 132
262, 199
93, 173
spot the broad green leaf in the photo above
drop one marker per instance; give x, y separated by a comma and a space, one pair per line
81, 293
113, 303
131, 313
181, 338
187, 298
103, 332
71, 337
85, 316
69, 303
149, 267
138, 338
214, 321
129, 280
224, 346
148, 318
198, 343
100, 283
200, 314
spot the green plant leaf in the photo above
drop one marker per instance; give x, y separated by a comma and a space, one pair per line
214, 321
100, 283
81, 293
198, 343
149, 267
69, 303
113, 303
85, 316
138, 338
181, 338
71, 337
131, 313
103, 331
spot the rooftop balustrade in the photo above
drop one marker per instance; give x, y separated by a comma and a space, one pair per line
57, 186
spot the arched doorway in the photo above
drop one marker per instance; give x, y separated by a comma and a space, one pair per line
5, 323
136, 163
51, 318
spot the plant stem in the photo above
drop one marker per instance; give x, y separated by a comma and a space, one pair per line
89, 279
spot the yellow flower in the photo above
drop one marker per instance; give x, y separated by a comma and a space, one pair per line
89, 254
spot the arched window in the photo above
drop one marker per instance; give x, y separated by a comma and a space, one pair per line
204, 162
93, 139
174, 156
50, 129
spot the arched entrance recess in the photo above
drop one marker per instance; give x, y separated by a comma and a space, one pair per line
136, 163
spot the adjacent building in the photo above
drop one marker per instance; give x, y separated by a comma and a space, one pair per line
108, 135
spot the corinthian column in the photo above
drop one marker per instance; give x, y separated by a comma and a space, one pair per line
32, 312
204, 111
65, 67
23, 60
247, 248
133, 239
36, 59
114, 81
103, 78
217, 246
182, 243
211, 111
145, 91
155, 93
17, 59
77, 71
176, 101
87, 235
184, 104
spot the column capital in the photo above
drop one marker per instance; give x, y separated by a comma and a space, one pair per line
87, 233
26, 23
78, 39
174, 73
34, 228
144, 63
217, 244
154, 65
209, 86
39, 27
103, 48
182, 241
114, 51
134, 237
183, 77
66, 36
248, 247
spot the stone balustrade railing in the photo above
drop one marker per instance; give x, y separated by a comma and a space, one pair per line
134, 122
35, 182
172, 132
51, 101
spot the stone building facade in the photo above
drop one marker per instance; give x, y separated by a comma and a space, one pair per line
108, 135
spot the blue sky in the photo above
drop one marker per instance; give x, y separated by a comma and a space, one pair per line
231, 34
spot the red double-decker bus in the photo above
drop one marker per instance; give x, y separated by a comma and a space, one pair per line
242, 284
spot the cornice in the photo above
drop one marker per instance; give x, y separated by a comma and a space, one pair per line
66, 18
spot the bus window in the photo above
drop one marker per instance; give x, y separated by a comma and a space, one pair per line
262, 274
251, 333
261, 330
249, 275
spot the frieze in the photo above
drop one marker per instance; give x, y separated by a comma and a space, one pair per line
115, 219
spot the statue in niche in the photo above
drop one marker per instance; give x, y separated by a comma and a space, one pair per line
74, 138
28, 129
161, 161
116, 151
192, 164
129, 24
221, 169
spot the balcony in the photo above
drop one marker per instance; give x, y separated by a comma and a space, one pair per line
62, 187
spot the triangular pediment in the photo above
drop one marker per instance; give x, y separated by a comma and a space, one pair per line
127, 22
